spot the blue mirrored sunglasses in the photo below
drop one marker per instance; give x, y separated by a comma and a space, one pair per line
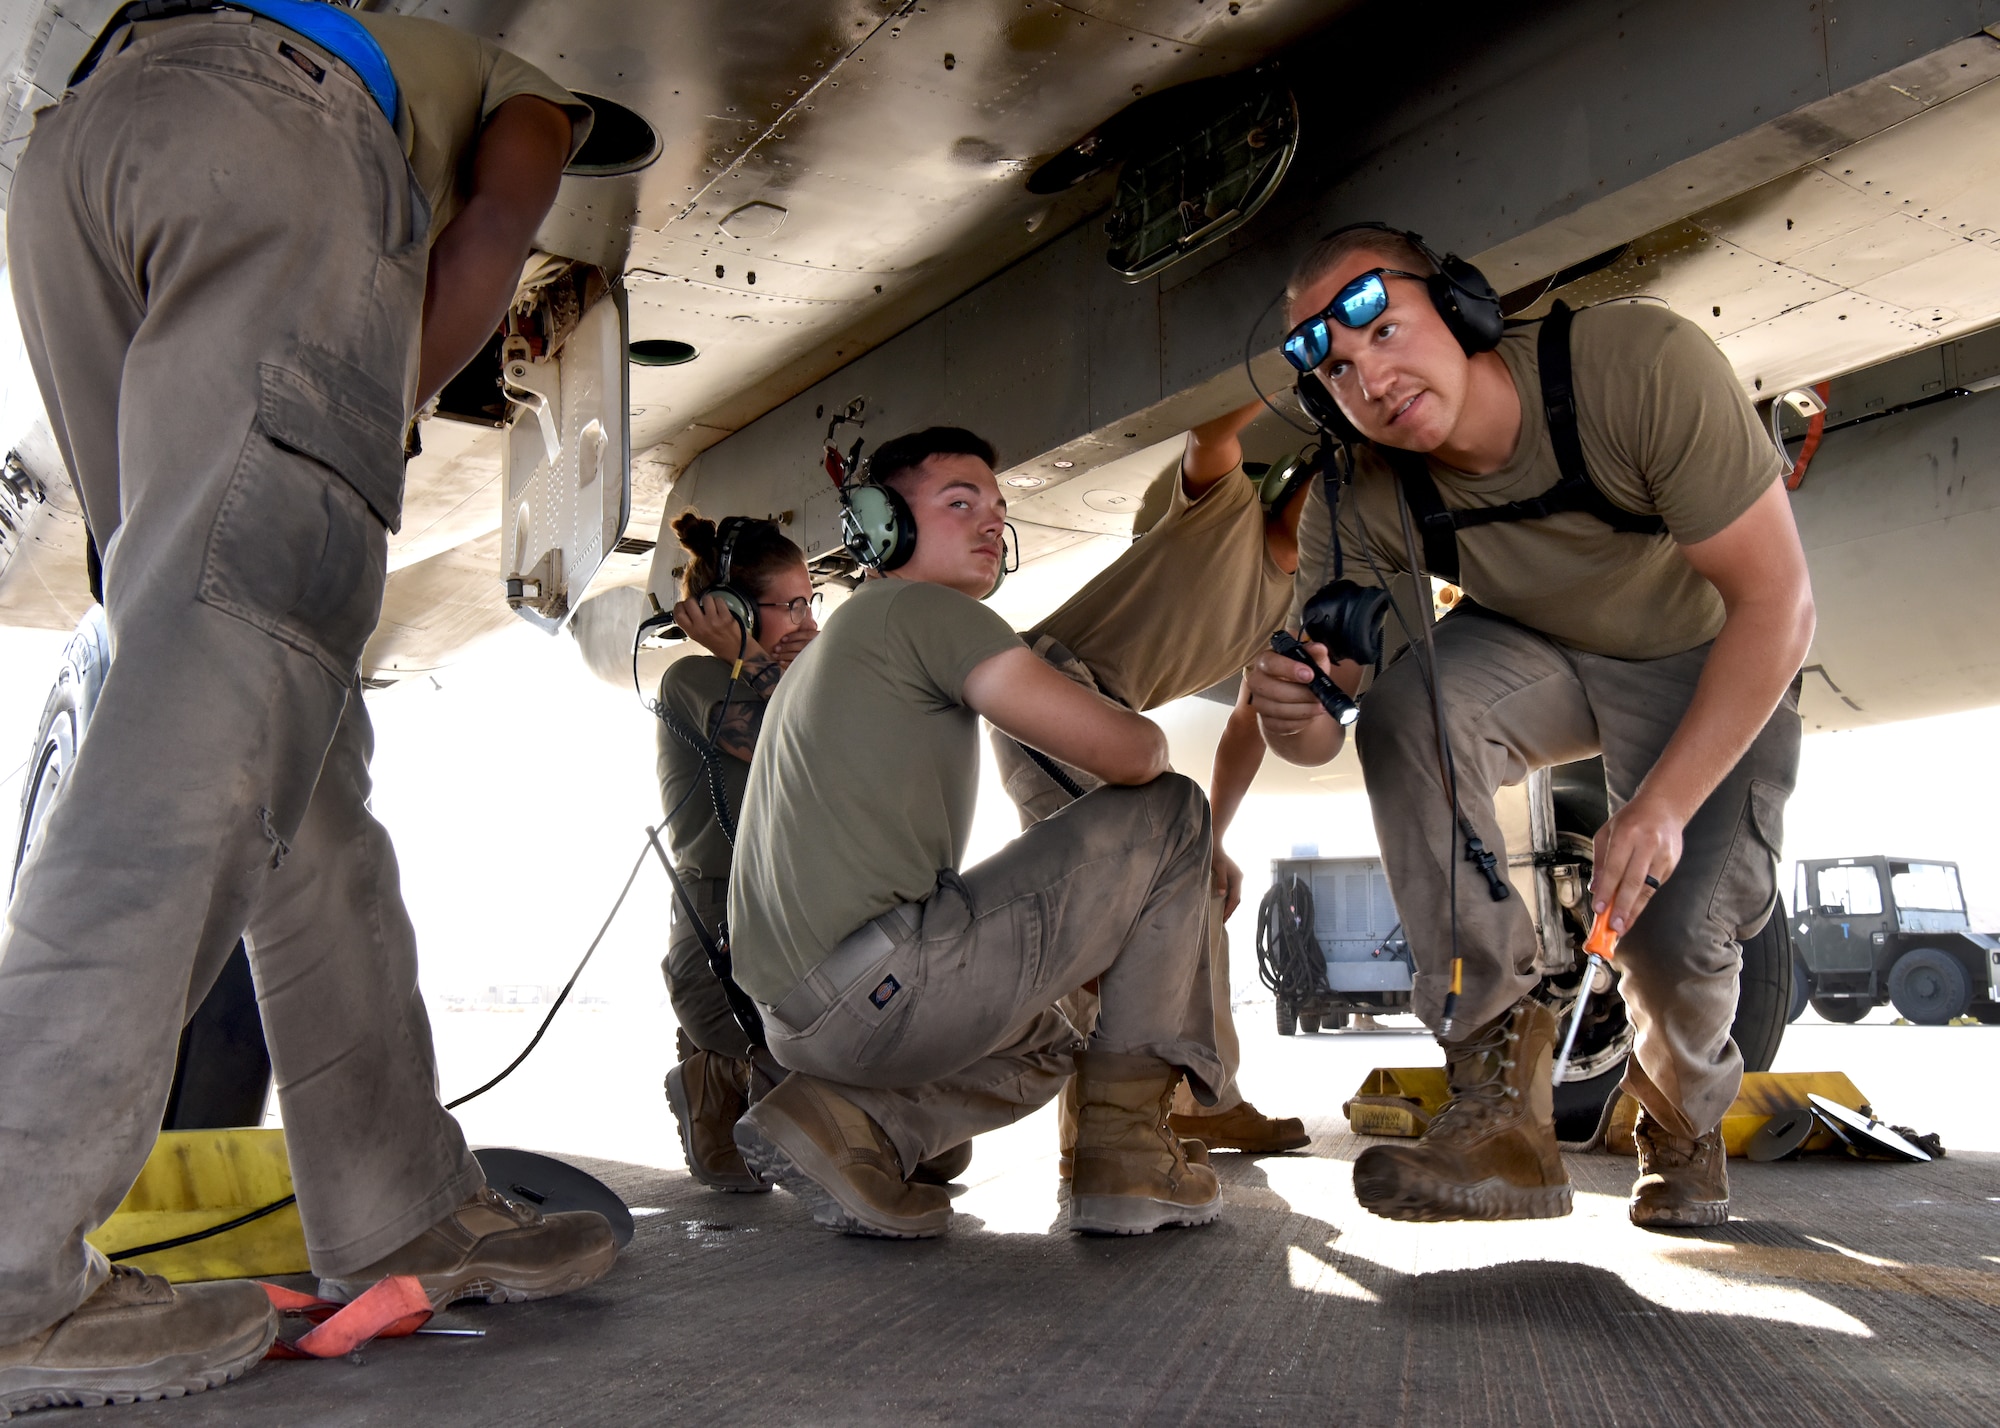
1354, 306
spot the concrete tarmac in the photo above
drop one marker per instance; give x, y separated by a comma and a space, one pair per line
1840, 1293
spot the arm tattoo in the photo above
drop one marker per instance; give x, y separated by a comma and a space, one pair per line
736, 732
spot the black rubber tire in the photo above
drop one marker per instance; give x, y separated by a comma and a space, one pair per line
1288, 1020
1929, 987
1308, 1023
64, 716
1986, 1013
1801, 989
1844, 1010
1333, 1021
1764, 994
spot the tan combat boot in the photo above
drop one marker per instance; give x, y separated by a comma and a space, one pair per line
1132, 1175
1683, 1184
1244, 1128
826, 1150
708, 1094
495, 1249
1194, 1149
1491, 1153
137, 1339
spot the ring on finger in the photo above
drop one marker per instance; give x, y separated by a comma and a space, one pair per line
1652, 882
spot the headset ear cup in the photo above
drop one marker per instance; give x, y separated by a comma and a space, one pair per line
876, 526
1468, 304
740, 606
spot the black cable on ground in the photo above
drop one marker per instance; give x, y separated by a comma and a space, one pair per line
213, 1230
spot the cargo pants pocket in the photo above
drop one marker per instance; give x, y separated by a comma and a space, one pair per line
299, 544
1746, 892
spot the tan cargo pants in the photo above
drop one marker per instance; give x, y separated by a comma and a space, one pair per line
696, 995
1516, 700
1036, 796
947, 1026
219, 264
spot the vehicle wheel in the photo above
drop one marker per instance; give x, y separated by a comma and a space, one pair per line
1929, 987
1845, 1010
1332, 1021
1309, 1023
64, 717
1801, 988
1288, 1020
1986, 1013
1764, 996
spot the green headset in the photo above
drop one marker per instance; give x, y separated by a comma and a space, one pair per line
741, 607
880, 532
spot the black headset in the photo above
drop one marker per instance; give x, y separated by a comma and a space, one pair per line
740, 606
1463, 298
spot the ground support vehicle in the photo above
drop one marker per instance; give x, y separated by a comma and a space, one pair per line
1880, 929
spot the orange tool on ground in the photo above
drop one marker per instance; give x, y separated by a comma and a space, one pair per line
1598, 948
390, 1309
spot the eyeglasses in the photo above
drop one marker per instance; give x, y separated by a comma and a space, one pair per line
1354, 306
797, 606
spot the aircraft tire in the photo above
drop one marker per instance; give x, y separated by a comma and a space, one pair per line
1929, 987
1765, 995
1844, 1010
65, 716
1986, 1013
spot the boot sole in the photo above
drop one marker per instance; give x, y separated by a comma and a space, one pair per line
746, 1184
1135, 1214
1700, 1215
806, 1172
1426, 1201
27, 1387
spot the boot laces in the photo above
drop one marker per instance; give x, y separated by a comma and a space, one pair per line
1664, 1150
1480, 1088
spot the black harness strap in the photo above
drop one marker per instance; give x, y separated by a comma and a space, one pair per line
1439, 526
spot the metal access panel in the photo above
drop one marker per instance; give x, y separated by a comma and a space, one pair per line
566, 465
1353, 918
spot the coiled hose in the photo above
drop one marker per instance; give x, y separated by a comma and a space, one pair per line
1289, 959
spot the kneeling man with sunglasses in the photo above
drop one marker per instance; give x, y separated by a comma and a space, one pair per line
915, 1005
1637, 590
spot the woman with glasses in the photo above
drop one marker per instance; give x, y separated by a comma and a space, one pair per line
712, 707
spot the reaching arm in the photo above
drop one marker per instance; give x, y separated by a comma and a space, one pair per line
1213, 450
1759, 568
476, 262
1238, 755
1025, 699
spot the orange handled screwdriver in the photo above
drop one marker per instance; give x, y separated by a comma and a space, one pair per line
1598, 948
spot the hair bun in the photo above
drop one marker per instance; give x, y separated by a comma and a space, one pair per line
696, 533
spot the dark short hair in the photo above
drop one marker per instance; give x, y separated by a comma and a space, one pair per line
901, 455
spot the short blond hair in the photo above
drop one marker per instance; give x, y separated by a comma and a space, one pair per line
1343, 243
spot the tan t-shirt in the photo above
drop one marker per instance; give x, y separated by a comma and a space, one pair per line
866, 772
1187, 606
1666, 431
450, 83
691, 688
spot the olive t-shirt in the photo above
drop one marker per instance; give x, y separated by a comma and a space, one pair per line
1184, 608
451, 82
691, 688
1665, 430
866, 772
